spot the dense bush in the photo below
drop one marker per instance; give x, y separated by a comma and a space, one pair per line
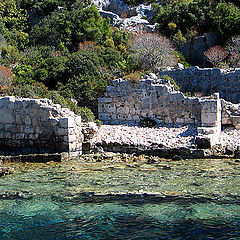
53, 30
185, 14
195, 17
226, 19
83, 62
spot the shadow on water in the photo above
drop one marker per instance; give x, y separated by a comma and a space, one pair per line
127, 226
139, 199
197, 199
121, 217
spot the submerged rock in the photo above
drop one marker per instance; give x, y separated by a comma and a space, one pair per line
11, 195
5, 170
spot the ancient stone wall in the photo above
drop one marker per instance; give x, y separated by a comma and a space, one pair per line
126, 101
230, 114
38, 126
208, 81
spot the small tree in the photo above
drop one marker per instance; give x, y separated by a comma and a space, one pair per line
153, 51
216, 55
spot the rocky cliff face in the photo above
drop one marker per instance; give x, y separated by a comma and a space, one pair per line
137, 19
126, 17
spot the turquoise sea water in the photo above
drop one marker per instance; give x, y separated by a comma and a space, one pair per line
191, 199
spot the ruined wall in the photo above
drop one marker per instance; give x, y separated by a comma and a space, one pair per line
38, 126
126, 101
208, 81
230, 114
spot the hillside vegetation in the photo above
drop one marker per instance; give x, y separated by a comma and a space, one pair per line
64, 50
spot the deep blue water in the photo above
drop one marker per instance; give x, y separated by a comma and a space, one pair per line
46, 202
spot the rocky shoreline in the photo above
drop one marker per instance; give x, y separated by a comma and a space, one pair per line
168, 141
162, 141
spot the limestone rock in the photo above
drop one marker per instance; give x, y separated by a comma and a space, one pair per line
116, 6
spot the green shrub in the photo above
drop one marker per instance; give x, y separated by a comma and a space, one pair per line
181, 59
178, 38
120, 37
134, 77
172, 26
86, 114
172, 81
226, 19
186, 14
35, 90
51, 71
111, 57
23, 74
83, 62
53, 30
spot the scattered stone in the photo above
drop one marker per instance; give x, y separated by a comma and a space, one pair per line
155, 138
12, 195
6, 171
229, 150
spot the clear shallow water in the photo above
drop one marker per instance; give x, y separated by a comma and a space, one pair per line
193, 199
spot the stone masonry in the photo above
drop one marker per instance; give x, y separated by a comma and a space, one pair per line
38, 126
126, 102
208, 81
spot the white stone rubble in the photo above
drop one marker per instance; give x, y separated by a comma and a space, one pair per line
231, 138
167, 136
170, 137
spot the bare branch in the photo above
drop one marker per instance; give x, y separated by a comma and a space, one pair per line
153, 51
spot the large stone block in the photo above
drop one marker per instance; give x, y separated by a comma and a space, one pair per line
7, 117
110, 108
104, 116
209, 119
123, 110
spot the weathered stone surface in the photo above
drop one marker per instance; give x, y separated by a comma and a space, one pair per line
208, 81
36, 126
153, 98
